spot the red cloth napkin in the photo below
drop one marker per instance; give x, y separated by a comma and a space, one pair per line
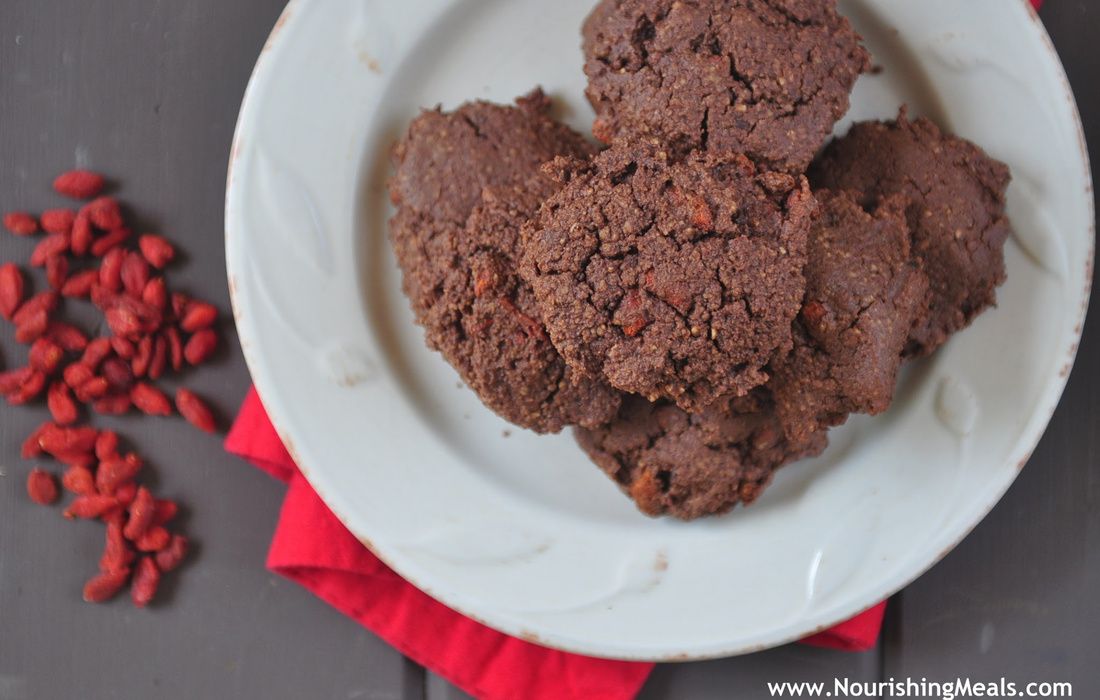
313, 548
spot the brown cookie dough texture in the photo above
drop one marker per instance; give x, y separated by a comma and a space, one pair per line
863, 295
767, 78
672, 280
956, 212
690, 465
465, 183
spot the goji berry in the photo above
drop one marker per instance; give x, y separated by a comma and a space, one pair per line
50, 246
109, 241
68, 336
198, 315
20, 223
118, 374
122, 347
117, 515
155, 293
175, 347
166, 509
80, 242
110, 270
42, 487
106, 445
89, 506
94, 388
33, 327
60, 402
179, 303
142, 356
76, 459
135, 274
149, 316
29, 389
101, 298
97, 350
12, 379
57, 440
160, 357
11, 289
133, 458
117, 554
76, 374
150, 400
105, 585
173, 555
146, 325
142, 511
30, 448
43, 301
79, 480
104, 213
113, 472
57, 272
45, 355
195, 411
57, 221
127, 316
146, 580
154, 539
78, 184
123, 322
156, 250
80, 284
126, 493
112, 405
200, 346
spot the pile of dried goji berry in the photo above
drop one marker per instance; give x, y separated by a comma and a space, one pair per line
86, 254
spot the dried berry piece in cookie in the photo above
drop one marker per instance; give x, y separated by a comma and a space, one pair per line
863, 295
767, 78
465, 182
672, 280
690, 465
956, 212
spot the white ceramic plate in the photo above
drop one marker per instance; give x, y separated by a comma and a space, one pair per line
521, 531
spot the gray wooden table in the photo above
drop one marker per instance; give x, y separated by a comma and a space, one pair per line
148, 91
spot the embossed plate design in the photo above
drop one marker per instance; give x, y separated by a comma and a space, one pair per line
521, 531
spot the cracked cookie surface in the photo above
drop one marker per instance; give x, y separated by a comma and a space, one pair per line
671, 280
767, 78
465, 183
690, 465
956, 212
862, 296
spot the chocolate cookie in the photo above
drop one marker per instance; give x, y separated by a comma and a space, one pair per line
767, 78
956, 212
863, 295
675, 280
691, 465
465, 182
